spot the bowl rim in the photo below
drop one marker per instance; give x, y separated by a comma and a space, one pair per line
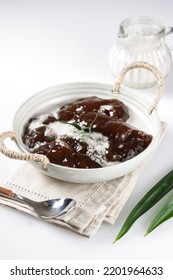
99, 86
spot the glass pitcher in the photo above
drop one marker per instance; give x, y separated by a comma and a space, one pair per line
141, 38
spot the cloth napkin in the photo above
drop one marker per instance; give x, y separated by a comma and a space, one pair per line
95, 202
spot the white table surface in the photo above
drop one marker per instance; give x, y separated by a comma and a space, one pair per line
45, 43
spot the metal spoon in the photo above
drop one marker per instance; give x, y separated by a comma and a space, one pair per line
45, 209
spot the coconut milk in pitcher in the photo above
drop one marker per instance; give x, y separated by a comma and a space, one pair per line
141, 38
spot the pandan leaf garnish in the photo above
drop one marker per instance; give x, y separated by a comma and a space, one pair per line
86, 129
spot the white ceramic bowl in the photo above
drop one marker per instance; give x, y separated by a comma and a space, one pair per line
46, 100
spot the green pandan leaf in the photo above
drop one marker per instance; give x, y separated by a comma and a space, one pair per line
165, 214
155, 194
76, 125
86, 129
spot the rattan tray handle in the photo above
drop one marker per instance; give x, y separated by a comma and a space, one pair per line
153, 70
43, 160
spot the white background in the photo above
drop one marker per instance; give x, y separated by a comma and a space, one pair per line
45, 43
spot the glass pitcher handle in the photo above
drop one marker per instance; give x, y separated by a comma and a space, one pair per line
168, 31
149, 67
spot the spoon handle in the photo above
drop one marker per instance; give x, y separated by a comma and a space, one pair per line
6, 192
10, 194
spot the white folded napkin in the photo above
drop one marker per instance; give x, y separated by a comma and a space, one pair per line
95, 203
